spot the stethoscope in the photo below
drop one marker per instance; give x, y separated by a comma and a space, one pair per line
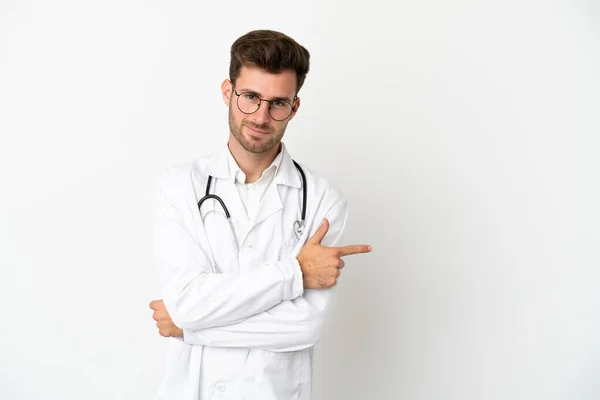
298, 225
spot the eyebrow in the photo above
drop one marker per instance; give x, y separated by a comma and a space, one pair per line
260, 95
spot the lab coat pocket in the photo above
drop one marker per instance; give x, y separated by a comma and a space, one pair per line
294, 244
293, 247
272, 375
289, 248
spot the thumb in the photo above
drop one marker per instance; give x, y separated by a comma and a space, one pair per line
320, 233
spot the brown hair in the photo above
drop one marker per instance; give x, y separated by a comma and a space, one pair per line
270, 51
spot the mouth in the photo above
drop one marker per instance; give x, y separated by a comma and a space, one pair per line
257, 131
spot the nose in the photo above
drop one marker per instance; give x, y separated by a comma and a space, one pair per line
261, 116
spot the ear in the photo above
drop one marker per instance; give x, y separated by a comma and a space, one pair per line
295, 109
226, 91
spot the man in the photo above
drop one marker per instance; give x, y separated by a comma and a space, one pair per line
245, 300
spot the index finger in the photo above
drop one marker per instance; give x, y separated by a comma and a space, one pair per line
353, 249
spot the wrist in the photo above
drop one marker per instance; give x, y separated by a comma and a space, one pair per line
302, 264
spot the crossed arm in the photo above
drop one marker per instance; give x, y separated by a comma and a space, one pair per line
275, 306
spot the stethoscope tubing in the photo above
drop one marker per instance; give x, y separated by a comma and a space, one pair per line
301, 223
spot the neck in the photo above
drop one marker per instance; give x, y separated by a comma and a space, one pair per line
252, 164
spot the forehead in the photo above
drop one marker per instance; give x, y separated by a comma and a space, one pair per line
269, 85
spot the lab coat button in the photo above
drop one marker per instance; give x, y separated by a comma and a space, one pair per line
220, 387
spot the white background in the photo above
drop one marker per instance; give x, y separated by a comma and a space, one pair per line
464, 135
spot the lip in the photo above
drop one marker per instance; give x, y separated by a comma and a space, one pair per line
257, 131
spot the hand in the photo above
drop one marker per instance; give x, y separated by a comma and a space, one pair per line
165, 324
321, 265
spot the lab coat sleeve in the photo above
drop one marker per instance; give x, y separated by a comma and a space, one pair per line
289, 326
193, 294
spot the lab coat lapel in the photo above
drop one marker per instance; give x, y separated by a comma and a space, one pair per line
224, 187
270, 204
231, 197
286, 176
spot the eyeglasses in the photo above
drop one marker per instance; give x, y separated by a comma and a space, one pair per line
249, 103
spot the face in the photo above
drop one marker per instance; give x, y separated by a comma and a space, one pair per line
258, 132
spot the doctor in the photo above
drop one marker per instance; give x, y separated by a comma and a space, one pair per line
245, 299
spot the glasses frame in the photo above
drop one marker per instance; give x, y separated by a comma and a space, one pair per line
293, 107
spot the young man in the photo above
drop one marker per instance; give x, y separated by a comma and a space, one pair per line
246, 299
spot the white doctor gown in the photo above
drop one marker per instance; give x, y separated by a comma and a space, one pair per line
249, 325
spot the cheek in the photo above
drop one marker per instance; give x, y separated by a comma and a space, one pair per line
238, 116
281, 126
234, 117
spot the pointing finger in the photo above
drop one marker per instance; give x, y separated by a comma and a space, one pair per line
353, 249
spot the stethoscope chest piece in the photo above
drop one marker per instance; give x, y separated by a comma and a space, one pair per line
299, 228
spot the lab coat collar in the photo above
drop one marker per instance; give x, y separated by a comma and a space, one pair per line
238, 176
287, 173
218, 167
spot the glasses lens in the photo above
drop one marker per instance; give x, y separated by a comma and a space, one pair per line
280, 110
248, 103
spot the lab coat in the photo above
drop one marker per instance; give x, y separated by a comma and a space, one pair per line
249, 325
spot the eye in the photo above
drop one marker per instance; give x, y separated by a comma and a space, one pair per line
249, 96
278, 103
